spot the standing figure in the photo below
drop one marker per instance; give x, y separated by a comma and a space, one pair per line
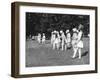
58, 40
68, 39
62, 40
74, 42
52, 37
80, 41
43, 39
39, 38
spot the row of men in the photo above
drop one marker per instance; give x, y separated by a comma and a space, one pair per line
60, 40
65, 41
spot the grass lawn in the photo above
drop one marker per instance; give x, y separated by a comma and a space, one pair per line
43, 55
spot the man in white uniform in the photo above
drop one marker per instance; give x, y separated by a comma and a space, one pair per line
68, 39
39, 38
56, 42
62, 40
53, 38
74, 41
79, 42
43, 39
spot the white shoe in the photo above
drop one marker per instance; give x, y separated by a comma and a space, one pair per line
79, 57
73, 56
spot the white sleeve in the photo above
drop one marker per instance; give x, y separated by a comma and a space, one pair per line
80, 35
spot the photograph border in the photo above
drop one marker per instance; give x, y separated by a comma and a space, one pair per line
15, 32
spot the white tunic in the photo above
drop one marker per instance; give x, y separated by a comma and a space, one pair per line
43, 38
68, 38
74, 39
39, 38
79, 40
53, 38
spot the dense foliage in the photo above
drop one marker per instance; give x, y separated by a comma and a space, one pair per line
46, 23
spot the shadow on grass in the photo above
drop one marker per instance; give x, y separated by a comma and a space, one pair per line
85, 53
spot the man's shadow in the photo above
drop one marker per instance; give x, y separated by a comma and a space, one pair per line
83, 54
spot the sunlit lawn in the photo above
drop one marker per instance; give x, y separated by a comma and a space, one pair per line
43, 55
